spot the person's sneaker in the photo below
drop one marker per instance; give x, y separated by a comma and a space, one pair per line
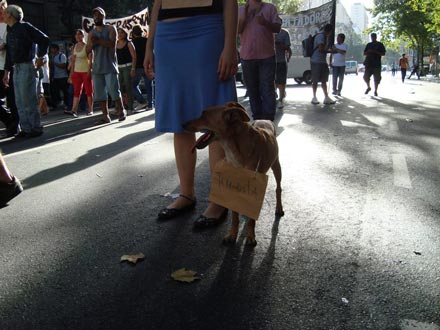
140, 106
9, 190
328, 100
33, 134
280, 104
375, 93
21, 134
368, 90
315, 100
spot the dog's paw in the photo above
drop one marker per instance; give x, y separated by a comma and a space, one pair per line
279, 213
250, 241
229, 239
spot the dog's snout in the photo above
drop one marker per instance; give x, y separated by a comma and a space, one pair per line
189, 126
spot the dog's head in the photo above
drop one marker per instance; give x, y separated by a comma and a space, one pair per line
217, 122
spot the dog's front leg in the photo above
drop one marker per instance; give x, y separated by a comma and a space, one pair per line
250, 233
276, 169
231, 238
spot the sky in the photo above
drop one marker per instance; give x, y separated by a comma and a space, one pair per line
347, 3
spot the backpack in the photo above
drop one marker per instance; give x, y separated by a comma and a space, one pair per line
67, 62
307, 45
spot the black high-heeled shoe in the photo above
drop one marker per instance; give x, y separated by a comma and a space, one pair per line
169, 213
203, 222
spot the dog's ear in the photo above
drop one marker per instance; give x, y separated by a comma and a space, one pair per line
234, 105
234, 114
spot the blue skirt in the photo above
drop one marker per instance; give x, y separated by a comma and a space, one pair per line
187, 53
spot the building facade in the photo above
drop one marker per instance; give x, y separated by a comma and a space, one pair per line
46, 15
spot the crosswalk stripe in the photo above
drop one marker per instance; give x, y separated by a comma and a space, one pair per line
393, 126
416, 325
401, 174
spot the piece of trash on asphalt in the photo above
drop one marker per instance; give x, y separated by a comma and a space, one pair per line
140, 175
418, 253
375, 137
174, 196
185, 275
409, 120
98, 175
133, 258
345, 300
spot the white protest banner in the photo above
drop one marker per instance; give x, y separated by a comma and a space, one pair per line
308, 22
126, 23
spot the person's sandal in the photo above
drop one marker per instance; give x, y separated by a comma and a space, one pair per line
169, 213
122, 116
203, 222
72, 113
102, 122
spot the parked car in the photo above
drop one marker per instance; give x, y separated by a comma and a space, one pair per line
351, 67
239, 74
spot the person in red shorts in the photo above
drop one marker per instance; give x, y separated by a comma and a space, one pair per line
81, 74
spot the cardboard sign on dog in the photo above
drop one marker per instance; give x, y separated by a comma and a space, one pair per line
238, 189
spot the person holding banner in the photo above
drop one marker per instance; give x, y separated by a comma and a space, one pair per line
102, 41
192, 54
319, 66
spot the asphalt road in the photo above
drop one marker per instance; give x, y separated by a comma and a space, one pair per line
358, 247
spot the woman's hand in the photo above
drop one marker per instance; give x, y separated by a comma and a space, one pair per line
149, 64
228, 64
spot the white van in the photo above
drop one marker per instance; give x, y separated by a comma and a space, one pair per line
351, 67
298, 68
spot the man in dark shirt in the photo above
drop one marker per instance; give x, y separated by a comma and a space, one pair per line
140, 43
373, 52
21, 44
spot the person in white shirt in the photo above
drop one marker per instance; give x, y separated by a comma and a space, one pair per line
337, 62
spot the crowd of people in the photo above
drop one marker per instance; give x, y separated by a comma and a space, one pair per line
69, 76
111, 62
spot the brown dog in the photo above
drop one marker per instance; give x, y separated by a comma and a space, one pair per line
249, 145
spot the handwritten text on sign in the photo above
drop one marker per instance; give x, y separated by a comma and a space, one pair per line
238, 189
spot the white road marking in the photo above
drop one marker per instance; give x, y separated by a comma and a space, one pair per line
393, 126
50, 145
416, 325
401, 174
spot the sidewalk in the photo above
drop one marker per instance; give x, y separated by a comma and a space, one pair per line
430, 78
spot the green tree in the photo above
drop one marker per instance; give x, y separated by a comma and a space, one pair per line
283, 6
412, 21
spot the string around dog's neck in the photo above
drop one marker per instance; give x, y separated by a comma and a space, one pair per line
253, 149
